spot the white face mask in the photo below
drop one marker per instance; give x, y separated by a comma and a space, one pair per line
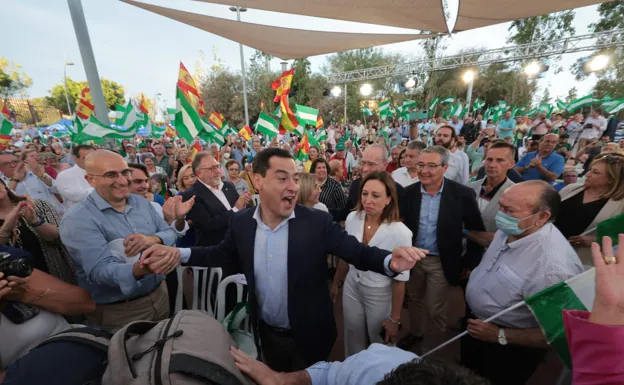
226, 156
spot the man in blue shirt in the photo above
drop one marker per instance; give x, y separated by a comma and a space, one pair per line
506, 127
105, 235
543, 164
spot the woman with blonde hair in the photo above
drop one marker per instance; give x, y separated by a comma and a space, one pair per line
186, 178
371, 302
309, 191
585, 205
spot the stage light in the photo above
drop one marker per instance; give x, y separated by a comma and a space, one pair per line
336, 91
366, 89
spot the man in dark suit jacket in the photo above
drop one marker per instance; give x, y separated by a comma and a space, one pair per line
437, 210
215, 201
281, 248
374, 158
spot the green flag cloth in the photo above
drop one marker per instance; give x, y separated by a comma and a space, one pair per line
409, 104
448, 100
187, 120
306, 115
321, 135
561, 105
384, 109
95, 130
586, 100
367, 112
267, 125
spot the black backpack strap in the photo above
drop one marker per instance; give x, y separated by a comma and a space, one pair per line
197, 367
97, 338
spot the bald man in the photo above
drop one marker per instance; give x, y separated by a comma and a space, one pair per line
544, 164
105, 234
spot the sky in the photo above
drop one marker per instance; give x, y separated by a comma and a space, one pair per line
142, 50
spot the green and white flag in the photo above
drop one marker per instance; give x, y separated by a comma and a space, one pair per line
447, 100
613, 105
366, 111
478, 104
119, 111
457, 109
129, 116
267, 125
546, 109
306, 115
210, 133
187, 120
95, 130
171, 114
561, 105
577, 293
408, 104
433, 103
5, 125
277, 112
312, 139
582, 102
321, 135
384, 109
515, 112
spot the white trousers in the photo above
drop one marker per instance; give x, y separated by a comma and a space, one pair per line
364, 309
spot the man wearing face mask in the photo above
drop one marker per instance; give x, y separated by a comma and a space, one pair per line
527, 255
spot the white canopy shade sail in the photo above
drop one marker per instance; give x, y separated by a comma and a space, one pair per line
284, 43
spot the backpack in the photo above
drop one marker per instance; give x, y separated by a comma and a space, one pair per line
191, 348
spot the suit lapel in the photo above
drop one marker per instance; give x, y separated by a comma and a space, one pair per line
207, 196
296, 227
230, 193
445, 202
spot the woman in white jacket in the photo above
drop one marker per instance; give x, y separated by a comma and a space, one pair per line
372, 302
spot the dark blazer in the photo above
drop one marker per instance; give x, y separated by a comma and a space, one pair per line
311, 236
458, 210
354, 196
210, 218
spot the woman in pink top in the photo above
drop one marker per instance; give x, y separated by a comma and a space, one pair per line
596, 339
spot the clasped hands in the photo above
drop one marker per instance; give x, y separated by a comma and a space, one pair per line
163, 259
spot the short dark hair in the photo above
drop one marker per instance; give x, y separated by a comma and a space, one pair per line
432, 372
231, 162
76, 149
453, 133
139, 167
416, 145
198, 158
261, 162
503, 144
316, 162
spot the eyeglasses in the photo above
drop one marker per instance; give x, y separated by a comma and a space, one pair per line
12, 163
211, 169
430, 166
114, 175
140, 181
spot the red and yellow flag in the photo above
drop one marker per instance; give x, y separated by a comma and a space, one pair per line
319, 122
5, 111
281, 86
245, 133
143, 106
4, 141
216, 119
196, 148
170, 131
303, 148
202, 110
187, 85
262, 105
289, 120
85, 108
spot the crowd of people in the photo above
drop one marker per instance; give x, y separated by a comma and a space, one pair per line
394, 214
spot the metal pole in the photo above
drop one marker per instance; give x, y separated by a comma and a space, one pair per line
345, 107
242, 59
469, 97
88, 60
65, 82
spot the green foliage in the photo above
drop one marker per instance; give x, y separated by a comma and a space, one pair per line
572, 95
12, 80
113, 93
542, 28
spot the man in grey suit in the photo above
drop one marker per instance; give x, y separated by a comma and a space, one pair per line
499, 160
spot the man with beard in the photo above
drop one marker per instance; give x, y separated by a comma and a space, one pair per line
458, 168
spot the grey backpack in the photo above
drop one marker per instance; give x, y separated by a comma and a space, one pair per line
191, 348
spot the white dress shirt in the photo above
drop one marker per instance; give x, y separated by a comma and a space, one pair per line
511, 272
388, 237
72, 185
458, 169
594, 133
37, 189
403, 177
220, 195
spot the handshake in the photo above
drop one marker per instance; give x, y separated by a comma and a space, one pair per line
157, 259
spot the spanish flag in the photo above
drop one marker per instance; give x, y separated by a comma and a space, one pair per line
289, 120
319, 122
187, 85
4, 141
202, 110
281, 86
245, 133
217, 119
85, 108
5, 111
303, 148
262, 105
143, 106
170, 131
196, 148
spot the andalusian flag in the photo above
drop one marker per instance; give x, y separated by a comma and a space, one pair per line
303, 149
384, 109
457, 109
319, 122
85, 107
577, 293
210, 133
321, 135
95, 130
5, 124
312, 139
545, 108
613, 105
155, 131
366, 111
129, 116
171, 114
306, 115
478, 104
433, 104
188, 123
582, 102
561, 105
267, 125
281, 86
245, 133
408, 104
448, 100
289, 121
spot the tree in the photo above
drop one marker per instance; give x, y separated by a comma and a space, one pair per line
546, 99
12, 80
572, 95
113, 94
301, 78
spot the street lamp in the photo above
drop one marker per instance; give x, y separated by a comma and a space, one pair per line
469, 77
238, 11
410, 83
598, 63
336, 91
533, 68
66, 63
366, 89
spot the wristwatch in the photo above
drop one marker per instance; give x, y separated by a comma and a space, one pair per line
502, 339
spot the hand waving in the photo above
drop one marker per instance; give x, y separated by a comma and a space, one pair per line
183, 208
609, 303
404, 258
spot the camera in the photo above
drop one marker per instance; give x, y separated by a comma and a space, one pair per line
17, 267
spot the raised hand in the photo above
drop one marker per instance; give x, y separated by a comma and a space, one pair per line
608, 306
29, 213
183, 208
12, 219
405, 257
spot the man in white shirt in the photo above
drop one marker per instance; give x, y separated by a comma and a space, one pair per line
360, 130
456, 124
33, 181
71, 183
458, 169
593, 128
408, 175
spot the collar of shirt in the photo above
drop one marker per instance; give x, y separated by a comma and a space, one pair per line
102, 204
423, 191
258, 219
210, 187
493, 192
522, 242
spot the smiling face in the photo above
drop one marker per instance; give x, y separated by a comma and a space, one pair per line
430, 169
140, 183
278, 189
108, 173
320, 171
